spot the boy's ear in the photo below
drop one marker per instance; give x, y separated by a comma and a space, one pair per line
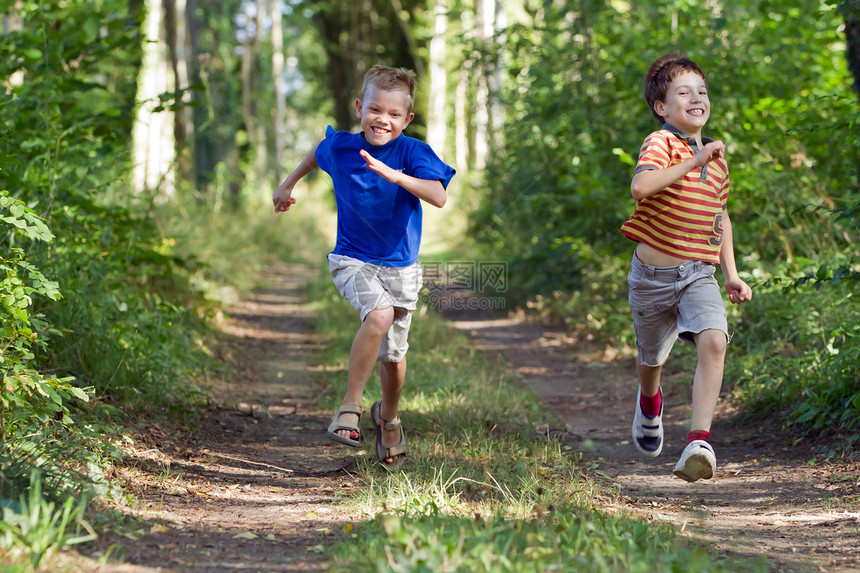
358, 108
409, 119
660, 108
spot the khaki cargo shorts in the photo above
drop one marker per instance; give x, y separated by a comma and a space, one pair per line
367, 287
673, 302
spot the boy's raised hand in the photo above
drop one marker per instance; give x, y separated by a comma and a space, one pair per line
378, 166
711, 151
739, 291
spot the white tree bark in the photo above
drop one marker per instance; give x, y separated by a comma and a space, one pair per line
261, 158
484, 16
154, 146
463, 104
437, 120
278, 59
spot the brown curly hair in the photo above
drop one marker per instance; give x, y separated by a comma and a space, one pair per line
661, 73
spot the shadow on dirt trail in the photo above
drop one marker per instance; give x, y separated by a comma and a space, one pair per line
251, 487
764, 500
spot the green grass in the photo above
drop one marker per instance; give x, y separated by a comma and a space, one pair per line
34, 529
484, 488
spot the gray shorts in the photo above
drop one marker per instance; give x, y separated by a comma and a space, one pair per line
367, 287
673, 302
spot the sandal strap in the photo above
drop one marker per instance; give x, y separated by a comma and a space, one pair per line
395, 450
390, 426
350, 409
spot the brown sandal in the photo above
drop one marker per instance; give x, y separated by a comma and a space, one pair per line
398, 450
336, 425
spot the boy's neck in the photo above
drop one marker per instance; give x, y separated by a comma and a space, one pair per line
697, 138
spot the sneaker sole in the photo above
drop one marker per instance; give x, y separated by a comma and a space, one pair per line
695, 468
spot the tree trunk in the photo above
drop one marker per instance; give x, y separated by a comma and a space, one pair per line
411, 53
484, 16
495, 80
262, 150
280, 95
463, 110
154, 150
202, 172
461, 121
852, 37
12, 23
437, 120
176, 34
245, 73
329, 22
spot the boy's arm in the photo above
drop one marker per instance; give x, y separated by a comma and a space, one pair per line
282, 198
737, 289
431, 191
650, 181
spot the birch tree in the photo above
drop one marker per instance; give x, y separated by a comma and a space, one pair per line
154, 143
278, 59
437, 120
484, 15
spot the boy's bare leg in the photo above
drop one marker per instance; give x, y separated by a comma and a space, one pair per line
649, 378
362, 358
392, 376
711, 350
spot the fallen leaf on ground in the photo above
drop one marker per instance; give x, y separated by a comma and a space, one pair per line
245, 535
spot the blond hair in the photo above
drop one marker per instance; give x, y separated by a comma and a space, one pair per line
390, 79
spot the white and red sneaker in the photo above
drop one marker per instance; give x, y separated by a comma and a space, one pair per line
648, 430
697, 462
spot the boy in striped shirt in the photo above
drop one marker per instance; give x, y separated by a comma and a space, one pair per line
682, 227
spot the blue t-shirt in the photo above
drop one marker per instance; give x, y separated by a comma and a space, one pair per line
378, 221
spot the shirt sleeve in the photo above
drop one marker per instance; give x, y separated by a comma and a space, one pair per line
323, 153
425, 164
654, 154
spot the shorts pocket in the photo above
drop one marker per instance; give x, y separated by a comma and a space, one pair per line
646, 311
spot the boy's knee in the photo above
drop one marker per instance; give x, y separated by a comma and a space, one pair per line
712, 342
380, 319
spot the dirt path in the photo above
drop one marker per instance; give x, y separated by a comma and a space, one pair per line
765, 499
251, 487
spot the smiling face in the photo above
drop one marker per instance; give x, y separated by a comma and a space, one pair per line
384, 114
686, 104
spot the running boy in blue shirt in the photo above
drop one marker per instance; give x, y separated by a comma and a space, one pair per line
380, 177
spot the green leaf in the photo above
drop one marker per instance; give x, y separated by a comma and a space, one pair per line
79, 394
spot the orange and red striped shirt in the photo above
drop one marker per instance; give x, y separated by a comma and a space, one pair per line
685, 218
